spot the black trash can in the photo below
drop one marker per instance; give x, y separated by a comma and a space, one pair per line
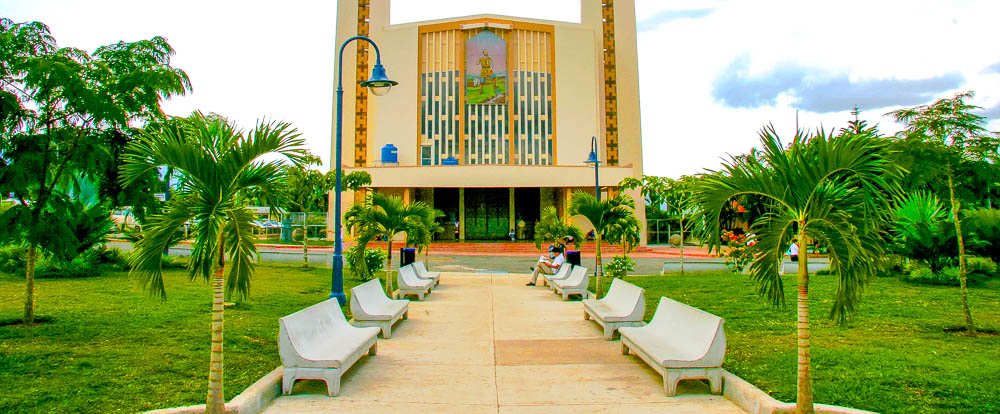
407, 255
573, 257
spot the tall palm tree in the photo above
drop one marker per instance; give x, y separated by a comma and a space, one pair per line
217, 163
830, 188
613, 213
386, 216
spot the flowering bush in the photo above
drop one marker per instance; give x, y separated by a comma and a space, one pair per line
737, 254
619, 267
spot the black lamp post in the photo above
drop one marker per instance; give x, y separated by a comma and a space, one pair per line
592, 159
379, 85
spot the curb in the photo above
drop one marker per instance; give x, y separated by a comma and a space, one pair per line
754, 401
252, 400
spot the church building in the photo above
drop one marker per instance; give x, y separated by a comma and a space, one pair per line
493, 116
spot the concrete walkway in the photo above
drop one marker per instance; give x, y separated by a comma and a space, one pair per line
485, 343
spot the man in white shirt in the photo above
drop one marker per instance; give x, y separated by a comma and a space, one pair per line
793, 251
546, 265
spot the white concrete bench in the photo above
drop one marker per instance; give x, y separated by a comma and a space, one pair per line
560, 274
575, 284
318, 343
624, 305
680, 342
408, 283
371, 307
423, 273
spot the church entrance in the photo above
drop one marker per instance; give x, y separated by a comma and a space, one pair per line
487, 214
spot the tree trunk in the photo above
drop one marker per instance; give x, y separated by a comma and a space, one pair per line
962, 275
29, 294
216, 403
388, 267
682, 245
305, 247
804, 399
597, 257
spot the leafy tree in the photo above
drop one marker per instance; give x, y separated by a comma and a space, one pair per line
677, 198
59, 110
605, 215
218, 163
386, 216
551, 228
824, 187
951, 124
306, 190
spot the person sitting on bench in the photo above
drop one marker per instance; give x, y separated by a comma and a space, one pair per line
548, 265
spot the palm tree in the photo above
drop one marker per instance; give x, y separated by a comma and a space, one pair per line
616, 212
217, 164
551, 228
830, 188
386, 216
952, 123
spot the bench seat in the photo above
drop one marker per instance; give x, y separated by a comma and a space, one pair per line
318, 343
575, 284
624, 305
423, 273
371, 307
560, 274
681, 343
408, 283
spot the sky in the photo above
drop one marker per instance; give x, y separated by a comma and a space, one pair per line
712, 73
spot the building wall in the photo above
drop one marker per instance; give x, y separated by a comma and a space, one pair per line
569, 56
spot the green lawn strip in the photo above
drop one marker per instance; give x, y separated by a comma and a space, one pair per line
112, 348
893, 356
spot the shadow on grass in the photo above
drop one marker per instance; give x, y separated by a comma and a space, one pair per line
20, 322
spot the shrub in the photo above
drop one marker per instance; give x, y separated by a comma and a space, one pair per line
981, 265
12, 258
365, 263
946, 277
619, 266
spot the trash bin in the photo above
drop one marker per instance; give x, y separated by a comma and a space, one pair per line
286, 230
407, 255
573, 257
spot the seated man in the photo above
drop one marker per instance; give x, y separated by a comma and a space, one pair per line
549, 265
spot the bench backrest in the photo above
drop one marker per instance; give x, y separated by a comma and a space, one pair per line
626, 299
369, 296
420, 268
688, 327
577, 278
303, 333
563, 271
407, 278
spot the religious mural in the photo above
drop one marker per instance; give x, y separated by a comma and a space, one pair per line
486, 69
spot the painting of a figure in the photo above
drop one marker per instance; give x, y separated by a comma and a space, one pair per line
486, 69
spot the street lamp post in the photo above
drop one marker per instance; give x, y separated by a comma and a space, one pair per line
379, 84
592, 159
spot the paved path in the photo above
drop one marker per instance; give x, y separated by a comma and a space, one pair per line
488, 344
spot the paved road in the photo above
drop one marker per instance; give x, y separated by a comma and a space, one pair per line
495, 263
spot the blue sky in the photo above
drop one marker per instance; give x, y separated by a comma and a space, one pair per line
712, 72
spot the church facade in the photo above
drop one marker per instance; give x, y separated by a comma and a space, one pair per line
493, 116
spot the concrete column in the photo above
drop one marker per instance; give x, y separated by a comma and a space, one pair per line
407, 195
510, 212
461, 213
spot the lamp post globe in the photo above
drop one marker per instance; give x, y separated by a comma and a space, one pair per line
379, 84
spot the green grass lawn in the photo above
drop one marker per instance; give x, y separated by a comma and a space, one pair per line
109, 347
894, 357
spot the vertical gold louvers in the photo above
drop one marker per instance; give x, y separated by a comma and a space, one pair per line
610, 83
361, 97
